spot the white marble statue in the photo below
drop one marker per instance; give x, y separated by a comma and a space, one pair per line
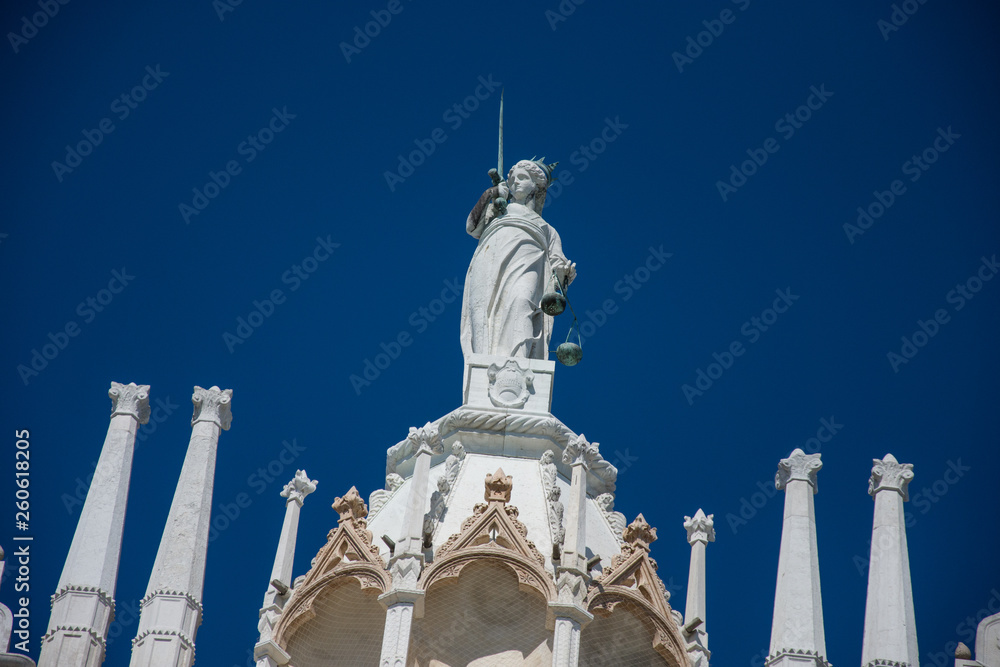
512, 267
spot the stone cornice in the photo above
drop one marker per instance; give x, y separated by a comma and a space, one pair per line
481, 420
187, 641
819, 660
102, 594
166, 591
700, 528
212, 405
94, 635
890, 474
799, 466
130, 399
298, 488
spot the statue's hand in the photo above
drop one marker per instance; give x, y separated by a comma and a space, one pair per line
565, 273
503, 191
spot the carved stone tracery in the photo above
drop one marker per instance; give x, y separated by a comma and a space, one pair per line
631, 584
493, 532
349, 554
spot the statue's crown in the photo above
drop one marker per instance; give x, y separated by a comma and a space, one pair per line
547, 169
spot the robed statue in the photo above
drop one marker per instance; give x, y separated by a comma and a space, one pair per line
518, 259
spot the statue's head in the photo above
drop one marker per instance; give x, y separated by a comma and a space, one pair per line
528, 181
547, 457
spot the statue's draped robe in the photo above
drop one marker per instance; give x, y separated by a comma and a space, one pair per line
509, 272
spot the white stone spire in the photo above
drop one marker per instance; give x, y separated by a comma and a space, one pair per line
700, 531
570, 611
797, 635
403, 601
890, 623
83, 604
266, 652
171, 610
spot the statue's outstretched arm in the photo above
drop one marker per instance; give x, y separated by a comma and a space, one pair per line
482, 213
564, 269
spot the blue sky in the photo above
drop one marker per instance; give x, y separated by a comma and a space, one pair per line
739, 137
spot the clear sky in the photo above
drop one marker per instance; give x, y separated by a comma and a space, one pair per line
200, 152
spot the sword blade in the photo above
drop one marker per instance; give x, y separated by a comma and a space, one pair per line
500, 148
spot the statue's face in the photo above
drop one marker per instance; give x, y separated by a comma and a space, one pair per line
522, 186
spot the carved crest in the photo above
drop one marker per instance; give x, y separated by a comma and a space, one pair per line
510, 385
632, 583
493, 532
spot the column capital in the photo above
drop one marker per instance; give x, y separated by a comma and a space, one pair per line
130, 399
580, 451
890, 474
426, 439
300, 487
212, 405
799, 466
700, 528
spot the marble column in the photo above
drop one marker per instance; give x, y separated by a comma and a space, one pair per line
700, 531
83, 605
797, 635
171, 609
404, 600
890, 623
267, 653
569, 610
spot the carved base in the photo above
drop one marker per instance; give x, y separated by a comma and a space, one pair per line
167, 627
77, 628
508, 383
796, 658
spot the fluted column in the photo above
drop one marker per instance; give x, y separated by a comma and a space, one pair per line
171, 609
797, 635
890, 622
700, 531
569, 610
404, 600
267, 653
83, 605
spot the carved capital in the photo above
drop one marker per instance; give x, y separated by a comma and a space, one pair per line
639, 533
799, 466
130, 399
498, 486
350, 506
427, 439
892, 475
300, 487
212, 405
581, 452
700, 528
